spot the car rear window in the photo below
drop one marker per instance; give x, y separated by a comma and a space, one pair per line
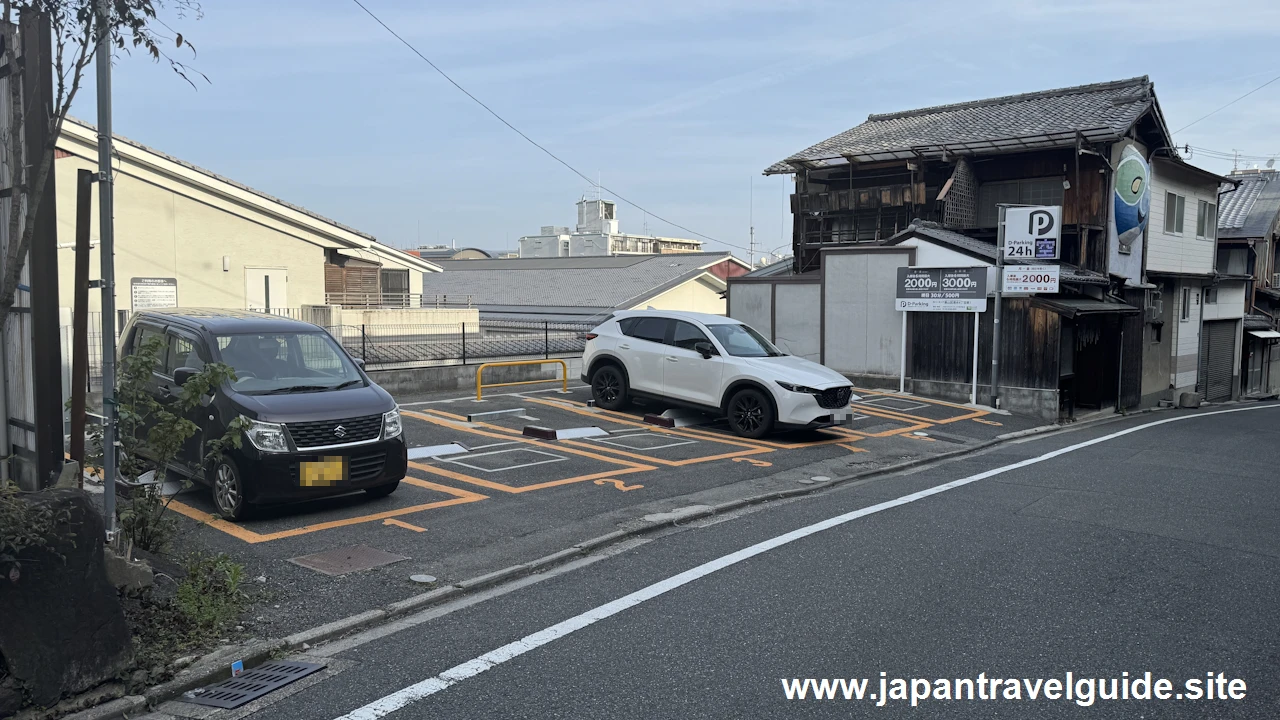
653, 329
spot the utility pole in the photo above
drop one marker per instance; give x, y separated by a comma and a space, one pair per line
106, 249
995, 329
751, 213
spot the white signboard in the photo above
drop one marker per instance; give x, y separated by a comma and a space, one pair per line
1031, 278
1033, 233
148, 293
941, 305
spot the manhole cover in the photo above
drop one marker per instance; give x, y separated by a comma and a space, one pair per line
347, 560
251, 685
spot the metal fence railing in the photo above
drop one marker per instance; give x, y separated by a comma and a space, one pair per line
407, 345
397, 300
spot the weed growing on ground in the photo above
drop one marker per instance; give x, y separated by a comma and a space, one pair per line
210, 597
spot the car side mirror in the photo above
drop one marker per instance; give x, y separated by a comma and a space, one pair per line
183, 374
359, 363
705, 349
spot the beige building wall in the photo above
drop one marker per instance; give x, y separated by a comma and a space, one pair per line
173, 220
701, 294
161, 234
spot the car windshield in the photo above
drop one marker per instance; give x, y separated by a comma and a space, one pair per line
287, 362
743, 341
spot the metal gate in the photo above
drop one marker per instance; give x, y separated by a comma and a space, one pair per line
1217, 360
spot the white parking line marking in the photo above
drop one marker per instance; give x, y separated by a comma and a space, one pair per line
900, 403
432, 685
671, 441
473, 456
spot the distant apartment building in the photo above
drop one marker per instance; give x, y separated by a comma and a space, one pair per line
597, 234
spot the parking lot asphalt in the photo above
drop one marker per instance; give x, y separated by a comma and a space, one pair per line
481, 495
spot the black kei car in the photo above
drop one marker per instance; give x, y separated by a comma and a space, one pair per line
318, 425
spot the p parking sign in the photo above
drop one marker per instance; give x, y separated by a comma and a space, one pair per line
1033, 233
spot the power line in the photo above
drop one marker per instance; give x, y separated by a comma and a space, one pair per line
530, 140
1233, 102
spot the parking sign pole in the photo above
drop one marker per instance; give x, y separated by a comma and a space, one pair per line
977, 323
902, 357
995, 329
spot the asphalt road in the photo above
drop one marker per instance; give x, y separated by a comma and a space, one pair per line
1152, 551
511, 499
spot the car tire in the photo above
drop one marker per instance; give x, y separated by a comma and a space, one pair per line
226, 486
382, 491
609, 387
750, 413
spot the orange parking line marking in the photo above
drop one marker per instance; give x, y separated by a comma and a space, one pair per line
624, 419
522, 439
754, 462
405, 525
240, 532
854, 448
621, 486
528, 488
669, 463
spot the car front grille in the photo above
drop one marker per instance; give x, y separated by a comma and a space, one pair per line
321, 433
835, 398
366, 467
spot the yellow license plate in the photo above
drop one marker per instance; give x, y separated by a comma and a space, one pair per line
325, 472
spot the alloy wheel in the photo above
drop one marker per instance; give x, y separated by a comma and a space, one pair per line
748, 414
607, 385
226, 489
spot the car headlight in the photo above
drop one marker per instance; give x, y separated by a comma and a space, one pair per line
799, 388
391, 426
267, 437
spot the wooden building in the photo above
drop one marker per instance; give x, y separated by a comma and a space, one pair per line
933, 179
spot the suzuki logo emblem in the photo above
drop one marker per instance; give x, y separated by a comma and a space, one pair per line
340, 431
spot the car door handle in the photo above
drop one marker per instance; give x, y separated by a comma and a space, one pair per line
624, 347
165, 391
671, 359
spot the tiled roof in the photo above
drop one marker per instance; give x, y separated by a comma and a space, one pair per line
1251, 209
1050, 118
1258, 322
587, 284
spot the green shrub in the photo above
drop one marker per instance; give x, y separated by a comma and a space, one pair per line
25, 526
143, 520
210, 596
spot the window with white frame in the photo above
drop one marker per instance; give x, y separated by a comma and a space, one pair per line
1175, 207
1206, 220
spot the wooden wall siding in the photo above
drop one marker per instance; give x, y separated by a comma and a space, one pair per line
362, 279
1083, 203
942, 346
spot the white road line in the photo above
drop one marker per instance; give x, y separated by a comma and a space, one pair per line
432, 685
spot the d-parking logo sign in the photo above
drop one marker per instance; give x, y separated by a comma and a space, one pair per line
1032, 233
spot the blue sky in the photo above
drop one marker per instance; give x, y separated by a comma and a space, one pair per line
676, 104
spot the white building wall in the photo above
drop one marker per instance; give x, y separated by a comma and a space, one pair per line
588, 245
797, 328
1230, 303
543, 246
1183, 252
752, 303
1186, 336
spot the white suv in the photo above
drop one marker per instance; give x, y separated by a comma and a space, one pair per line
711, 363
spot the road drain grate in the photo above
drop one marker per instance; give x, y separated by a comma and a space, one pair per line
252, 684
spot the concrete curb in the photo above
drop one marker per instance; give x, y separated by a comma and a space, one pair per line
215, 666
